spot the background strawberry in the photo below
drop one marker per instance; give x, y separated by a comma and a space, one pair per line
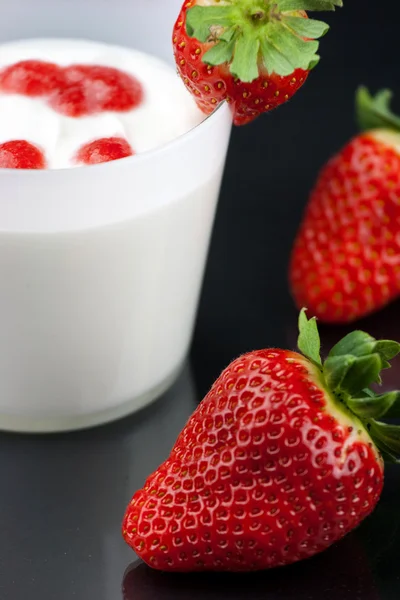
279, 461
346, 258
255, 54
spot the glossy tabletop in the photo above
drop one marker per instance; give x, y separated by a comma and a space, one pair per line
62, 497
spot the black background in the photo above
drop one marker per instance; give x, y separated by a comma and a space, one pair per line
62, 497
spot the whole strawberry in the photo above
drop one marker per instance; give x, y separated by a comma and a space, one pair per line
255, 54
279, 461
346, 258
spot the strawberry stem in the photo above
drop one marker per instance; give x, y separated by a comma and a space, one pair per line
273, 34
351, 367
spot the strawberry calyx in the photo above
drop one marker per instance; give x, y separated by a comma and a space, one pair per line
352, 366
275, 35
373, 112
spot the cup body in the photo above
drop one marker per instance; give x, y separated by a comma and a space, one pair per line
102, 266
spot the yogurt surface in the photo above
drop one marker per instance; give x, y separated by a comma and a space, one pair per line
136, 103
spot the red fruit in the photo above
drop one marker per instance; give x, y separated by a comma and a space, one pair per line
91, 89
31, 78
253, 54
71, 101
104, 150
346, 258
279, 461
74, 91
111, 88
20, 154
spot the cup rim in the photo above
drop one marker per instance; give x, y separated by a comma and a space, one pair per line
207, 122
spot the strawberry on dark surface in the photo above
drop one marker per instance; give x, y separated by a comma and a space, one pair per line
345, 261
255, 54
282, 458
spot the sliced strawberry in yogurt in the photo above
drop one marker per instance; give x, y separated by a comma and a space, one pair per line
74, 91
32, 78
79, 103
20, 154
103, 150
91, 89
72, 101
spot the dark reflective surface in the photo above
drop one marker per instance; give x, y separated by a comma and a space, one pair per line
327, 577
62, 498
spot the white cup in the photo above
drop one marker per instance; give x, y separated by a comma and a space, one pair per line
101, 267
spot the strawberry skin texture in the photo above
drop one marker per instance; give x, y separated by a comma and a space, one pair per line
346, 259
267, 471
212, 85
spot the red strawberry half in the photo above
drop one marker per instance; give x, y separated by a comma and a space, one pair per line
345, 262
255, 54
281, 459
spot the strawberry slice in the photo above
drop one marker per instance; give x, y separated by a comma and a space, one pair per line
91, 89
32, 78
20, 154
104, 150
74, 91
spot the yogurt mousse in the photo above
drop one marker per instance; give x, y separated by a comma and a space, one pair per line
67, 103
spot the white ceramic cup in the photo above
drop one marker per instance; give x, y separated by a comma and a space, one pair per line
101, 267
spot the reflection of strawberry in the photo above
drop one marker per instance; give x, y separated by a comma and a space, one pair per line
255, 55
276, 463
342, 572
346, 258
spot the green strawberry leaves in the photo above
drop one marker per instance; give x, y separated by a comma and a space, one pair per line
306, 28
356, 343
373, 112
203, 21
351, 367
245, 59
220, 53
312, 5
359, 343
352, 373
336, 369
356, 362
244, 33
299, 53
386, 435
363, 372
375, 407
309, 341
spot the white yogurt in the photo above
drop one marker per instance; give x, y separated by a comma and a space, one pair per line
166, 112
